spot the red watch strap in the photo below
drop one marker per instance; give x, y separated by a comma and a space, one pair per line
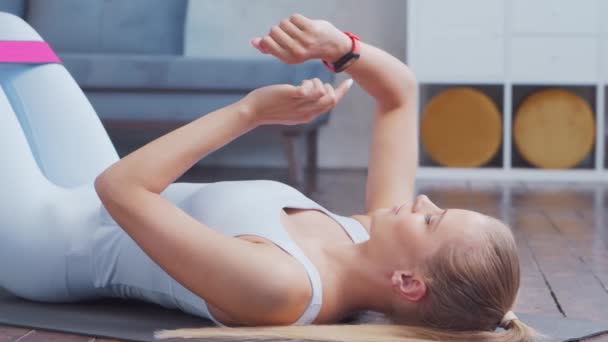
354, 49
355, 39
327, 65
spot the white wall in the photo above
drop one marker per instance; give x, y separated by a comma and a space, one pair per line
223, 28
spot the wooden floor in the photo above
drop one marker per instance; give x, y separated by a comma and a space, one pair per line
560, 230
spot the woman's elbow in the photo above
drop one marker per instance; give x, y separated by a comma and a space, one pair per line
109, 187
101, 184
404, 95
410, 82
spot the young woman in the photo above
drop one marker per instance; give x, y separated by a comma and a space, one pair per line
260, 253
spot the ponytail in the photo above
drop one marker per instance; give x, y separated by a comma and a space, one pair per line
516, 331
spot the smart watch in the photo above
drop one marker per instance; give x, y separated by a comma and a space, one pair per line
348, 59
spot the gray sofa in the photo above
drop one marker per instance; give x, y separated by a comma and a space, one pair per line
128, 58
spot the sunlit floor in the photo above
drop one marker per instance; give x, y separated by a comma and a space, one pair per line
560, 230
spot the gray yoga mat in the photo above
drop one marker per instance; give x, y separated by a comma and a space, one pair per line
132, 320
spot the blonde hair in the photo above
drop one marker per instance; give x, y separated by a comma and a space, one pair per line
469, 290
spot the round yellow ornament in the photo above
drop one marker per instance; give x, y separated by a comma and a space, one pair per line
461, 127
554, 129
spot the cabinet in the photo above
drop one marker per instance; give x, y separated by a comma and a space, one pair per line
508, 49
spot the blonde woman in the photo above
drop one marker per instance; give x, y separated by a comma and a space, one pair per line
437, 273
258, 257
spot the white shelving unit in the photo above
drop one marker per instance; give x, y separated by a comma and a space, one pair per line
508, 49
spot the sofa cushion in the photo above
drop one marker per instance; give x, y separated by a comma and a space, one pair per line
110, 26
16, 7
140, 72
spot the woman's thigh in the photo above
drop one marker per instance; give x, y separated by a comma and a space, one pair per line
58, 124
36, 214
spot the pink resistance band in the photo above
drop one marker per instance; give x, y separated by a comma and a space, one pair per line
27, 52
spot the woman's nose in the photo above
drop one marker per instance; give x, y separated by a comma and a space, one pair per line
419, 203
424, 203
423, 198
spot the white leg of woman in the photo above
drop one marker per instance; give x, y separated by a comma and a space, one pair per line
52, 146
31, 251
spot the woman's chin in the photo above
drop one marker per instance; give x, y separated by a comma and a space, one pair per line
378, 216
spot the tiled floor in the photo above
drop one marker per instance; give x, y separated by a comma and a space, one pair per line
560, 229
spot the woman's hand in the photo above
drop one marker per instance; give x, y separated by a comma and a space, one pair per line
290, 105
297, 39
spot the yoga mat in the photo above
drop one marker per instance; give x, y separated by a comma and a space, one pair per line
132, 320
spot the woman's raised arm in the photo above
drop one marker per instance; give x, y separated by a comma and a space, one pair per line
393, 157
394, 145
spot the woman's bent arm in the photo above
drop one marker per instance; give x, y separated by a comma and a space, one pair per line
225, 271
159, 163
393, 157
394, 146
394, 140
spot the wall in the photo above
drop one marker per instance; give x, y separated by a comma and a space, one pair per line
223, 28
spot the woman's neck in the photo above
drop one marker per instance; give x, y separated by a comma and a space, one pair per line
360, 283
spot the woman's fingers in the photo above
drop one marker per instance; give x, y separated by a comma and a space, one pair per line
315, 97
329, 90
292, 40
332, 97
311, 90
343, 88
301, 22
255, 42
286, 42
273, 48
319, 89
315, 92
305, 88
293, 31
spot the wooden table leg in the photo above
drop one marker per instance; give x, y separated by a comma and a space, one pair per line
295, 169
312, 161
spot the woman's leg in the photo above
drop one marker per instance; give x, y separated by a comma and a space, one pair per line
50, 140
52, 146
65, 134
26, 193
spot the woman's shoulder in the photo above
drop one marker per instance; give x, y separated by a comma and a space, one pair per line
277, 292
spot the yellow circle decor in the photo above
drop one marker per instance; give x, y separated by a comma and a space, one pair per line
554, 129
461, 127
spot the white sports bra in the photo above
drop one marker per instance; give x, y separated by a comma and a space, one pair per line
245, 207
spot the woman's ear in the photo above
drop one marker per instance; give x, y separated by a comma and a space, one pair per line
408, 285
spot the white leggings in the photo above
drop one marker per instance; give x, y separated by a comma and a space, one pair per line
52, 146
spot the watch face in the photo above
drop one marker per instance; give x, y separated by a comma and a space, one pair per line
351, 59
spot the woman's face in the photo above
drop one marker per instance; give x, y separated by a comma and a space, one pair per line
411, 232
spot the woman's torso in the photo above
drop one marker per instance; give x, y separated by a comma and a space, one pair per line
262, 212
